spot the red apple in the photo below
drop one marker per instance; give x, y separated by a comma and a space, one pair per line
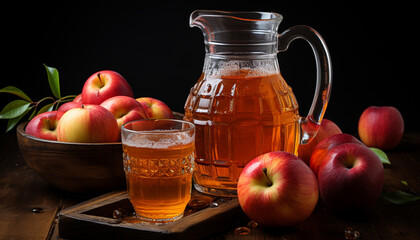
277, 189
88, 124
323, 147
351, 178
155, 108
44, 125
125, 109
381, 127
69, 105
103, 85
327, 129
78, 98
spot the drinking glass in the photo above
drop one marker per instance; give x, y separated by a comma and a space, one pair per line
158, 157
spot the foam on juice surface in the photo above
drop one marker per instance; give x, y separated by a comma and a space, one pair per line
160, 140
231, 68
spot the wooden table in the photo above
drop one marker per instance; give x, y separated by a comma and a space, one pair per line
22, 192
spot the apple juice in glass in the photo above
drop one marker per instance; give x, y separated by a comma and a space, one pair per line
241, 105
158, 159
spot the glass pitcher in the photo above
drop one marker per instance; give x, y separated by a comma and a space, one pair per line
241, 105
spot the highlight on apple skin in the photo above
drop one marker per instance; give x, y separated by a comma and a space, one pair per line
88, 124
78, 98
381, 127
103, 85
44, 125
69, 105
277, 189
155, 109
327, 129
323, 148
350, 178
125, 109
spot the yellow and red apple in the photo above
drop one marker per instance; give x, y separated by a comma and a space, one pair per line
277, 189
88, 124
155, 108
103, 85
44, 125
327, 129
125, 109
381, 127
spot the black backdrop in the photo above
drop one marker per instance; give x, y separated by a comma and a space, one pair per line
374, 50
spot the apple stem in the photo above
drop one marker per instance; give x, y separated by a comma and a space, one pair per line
266, 177
100, 80
49, 125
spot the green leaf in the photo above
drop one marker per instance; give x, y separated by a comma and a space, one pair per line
16, 91
399, 197
46, 108
381, 154
32, 114
13, 121
53, 80
14, 109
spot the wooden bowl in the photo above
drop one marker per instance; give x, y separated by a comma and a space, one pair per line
74, 167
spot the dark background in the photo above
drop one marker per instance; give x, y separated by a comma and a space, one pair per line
374, 51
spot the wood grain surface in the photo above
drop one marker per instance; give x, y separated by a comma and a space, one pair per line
22, 190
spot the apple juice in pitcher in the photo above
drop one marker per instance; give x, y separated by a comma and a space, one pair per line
241, 105
239, 114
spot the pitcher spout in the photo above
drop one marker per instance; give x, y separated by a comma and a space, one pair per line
237, 32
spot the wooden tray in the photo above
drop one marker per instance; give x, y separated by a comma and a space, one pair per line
94, 219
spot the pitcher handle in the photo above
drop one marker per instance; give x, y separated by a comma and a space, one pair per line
309, 125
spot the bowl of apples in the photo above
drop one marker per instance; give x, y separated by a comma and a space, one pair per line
77, 148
